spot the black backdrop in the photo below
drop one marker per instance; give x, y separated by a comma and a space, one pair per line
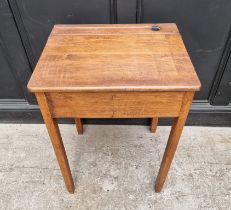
204, 25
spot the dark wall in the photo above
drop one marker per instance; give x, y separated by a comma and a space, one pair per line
204, 25
15, 70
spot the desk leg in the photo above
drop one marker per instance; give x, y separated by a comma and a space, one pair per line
56, 139
173, 140
154, 122
79, 125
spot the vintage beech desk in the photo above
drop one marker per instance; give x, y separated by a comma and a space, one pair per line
114, 71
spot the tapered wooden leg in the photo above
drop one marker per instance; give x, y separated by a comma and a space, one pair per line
173, 141
56, 140
79, 125
154, 122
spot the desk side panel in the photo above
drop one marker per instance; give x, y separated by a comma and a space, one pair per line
115, 104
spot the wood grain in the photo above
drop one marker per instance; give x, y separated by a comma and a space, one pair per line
104, 58
173, 140
56, 141
115, 104
112, 29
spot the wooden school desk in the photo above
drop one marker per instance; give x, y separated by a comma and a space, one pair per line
114, 71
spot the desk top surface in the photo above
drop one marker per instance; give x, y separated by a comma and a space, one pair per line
121, 57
